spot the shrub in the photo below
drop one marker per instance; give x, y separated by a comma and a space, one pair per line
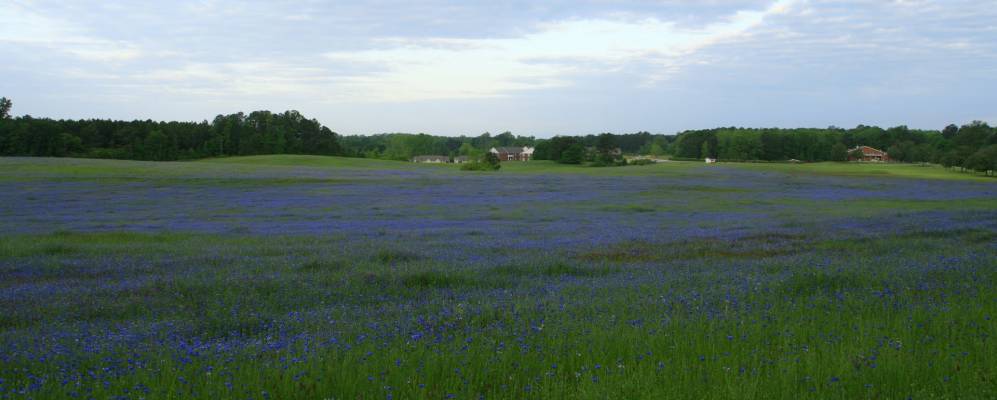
479, 166
609, 163
489, 162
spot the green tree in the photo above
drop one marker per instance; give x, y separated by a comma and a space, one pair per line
973, 135
606, 143
656, 150
897, 152
957, 157
157, 146
839, 152
492, 161
542, 150
922, 153
67, 144
950, 131
574, 154
606, 149
399, 148
505, 139
554, 148
772, 143
327, 143
466, 149
5, 106
690, 144
707, 150
489, 162
984, 160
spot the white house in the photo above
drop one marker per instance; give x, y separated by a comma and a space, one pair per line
431, 159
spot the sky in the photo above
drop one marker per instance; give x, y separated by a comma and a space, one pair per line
533, 68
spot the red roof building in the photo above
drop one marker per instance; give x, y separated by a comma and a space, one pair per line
868, 154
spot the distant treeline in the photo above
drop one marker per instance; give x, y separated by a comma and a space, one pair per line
259, 132
951, 146
402, 146
971, 146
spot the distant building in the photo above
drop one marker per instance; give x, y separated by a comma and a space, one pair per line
527, 153
710, 160
513, 153
431, 159
868, 154
461, 159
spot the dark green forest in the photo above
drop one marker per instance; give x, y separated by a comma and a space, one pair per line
259, 132
972, 146
952, 146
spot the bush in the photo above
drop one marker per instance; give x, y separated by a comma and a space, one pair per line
609, 163
640, 161
489, 162
479, 166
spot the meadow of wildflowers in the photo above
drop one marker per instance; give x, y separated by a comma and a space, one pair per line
312, 277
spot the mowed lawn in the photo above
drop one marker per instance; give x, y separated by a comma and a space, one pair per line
284, 277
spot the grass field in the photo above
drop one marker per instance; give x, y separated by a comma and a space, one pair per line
283, 277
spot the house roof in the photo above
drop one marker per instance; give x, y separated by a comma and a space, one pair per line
509, 149
869, 151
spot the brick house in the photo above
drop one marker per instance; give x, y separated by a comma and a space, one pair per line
512, 153
868, 154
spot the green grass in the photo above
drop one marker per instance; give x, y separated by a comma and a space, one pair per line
69, 168
794, 310
671, 167
896, 170
317, 161
616, 341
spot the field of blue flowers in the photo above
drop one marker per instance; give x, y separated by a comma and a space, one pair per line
323, 278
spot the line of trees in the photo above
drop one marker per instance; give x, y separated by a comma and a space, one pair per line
259, 132
954, 146
403, 146
263, 132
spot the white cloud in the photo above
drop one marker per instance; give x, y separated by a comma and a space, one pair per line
468, 68
253, 79
556, 54
19, 25
635, 64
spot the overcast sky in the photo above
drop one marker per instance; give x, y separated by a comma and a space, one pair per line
533, 68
